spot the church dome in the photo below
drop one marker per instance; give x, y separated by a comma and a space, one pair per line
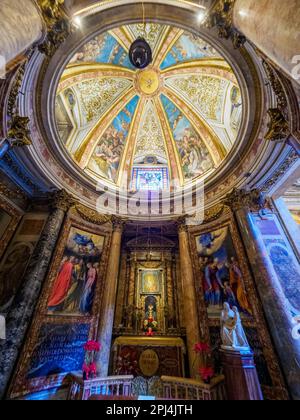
172, 123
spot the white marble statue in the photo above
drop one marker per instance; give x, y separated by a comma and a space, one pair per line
232, 332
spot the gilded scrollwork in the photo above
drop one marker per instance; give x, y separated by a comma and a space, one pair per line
276, 85
118, 223
278, 127
57, 23
92, 216
19, 133
253, 200
62, 200
221, 17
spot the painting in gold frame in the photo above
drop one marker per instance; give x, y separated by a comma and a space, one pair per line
24, 380
276, 389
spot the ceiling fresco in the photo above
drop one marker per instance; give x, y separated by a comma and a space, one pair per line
182, 113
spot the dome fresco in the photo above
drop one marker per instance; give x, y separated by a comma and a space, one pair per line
176, 120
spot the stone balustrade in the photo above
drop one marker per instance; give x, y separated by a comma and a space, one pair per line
122, 387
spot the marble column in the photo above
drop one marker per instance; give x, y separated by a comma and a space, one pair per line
109, 299
189, 299
21, 26
274, 27
273, 299
19, 318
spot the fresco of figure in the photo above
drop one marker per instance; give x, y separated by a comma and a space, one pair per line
75, 284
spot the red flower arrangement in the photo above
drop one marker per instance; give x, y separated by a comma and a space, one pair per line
92, 346
206, 371
89, 367
202, 348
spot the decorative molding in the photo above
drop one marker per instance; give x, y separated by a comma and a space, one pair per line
214, 213
118, 224
61, 200
92, 216
292, 158
19, 133
11, 166
15, 89
222, 18
273, 77
12, 194
239, 199
278, 127
57, 23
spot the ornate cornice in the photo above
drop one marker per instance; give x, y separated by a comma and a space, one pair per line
278, 127
252, 200
15, 89
292, 158
57, 23
12, 194
9, 164
92, 216
62, 200
222, 18
273, 77
19, 133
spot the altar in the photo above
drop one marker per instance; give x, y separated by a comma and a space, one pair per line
149, 356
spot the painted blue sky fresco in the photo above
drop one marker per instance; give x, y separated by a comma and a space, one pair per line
125, 116
188, 48
104, 49
178, 122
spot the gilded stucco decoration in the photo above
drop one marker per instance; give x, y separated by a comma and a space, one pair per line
221, 17
181, 115
57, 23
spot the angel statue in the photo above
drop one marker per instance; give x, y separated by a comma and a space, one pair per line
232, 332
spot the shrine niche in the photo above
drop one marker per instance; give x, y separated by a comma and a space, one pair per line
149, 287
150, 297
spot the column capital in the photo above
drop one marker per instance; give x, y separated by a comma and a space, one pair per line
252, 200
181, 224
118, 224
62, 200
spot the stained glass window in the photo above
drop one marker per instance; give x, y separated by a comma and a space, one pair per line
151, 179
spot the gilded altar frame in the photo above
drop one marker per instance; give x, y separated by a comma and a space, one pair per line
20, 384
278, 390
